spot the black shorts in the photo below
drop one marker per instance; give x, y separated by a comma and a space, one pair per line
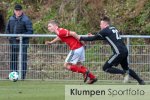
121, 59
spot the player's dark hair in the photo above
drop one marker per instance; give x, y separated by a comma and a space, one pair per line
106, 19
54, 22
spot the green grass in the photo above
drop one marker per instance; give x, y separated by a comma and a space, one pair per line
37, 90
31, 90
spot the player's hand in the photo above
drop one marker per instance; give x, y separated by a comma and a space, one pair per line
17, 38
82, 42
48, 43
90, 34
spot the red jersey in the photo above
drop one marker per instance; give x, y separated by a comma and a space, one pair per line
72, 42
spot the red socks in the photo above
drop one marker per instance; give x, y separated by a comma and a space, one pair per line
82, 70
77, 69
90, 74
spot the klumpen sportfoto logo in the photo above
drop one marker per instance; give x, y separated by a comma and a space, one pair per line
106, 92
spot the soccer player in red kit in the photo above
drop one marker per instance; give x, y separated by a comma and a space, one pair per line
76, 55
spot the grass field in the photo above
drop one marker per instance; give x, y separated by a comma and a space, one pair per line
36, 90
31, 90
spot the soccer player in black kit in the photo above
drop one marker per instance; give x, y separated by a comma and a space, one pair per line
120, 52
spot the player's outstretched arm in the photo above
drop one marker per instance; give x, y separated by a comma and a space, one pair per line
88, 38
91, 37
53, 41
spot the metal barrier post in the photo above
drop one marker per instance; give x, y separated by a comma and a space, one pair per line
20, 58
128, 47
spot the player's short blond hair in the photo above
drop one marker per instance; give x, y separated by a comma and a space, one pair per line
53, 22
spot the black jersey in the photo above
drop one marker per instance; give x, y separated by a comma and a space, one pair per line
112, 36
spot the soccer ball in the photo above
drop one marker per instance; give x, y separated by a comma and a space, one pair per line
13, 76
